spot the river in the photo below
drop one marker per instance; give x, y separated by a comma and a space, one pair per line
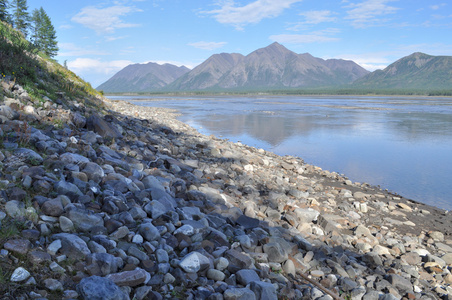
403, 144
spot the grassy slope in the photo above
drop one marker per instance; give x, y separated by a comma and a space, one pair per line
39, 75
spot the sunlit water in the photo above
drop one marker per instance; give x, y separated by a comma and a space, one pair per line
403, 144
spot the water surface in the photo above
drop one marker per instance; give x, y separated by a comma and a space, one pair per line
403, 144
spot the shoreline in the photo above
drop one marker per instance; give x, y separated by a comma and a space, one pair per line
170, 120
128, 201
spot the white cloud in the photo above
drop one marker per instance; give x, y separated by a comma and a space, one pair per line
313, 37
70, 49
105, 20
89, 65
437, 6
208, 45
318, 16
369, 12
252, 13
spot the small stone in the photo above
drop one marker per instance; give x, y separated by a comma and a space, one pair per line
129, 278
53, 285
246, 276
317, 273
215, 275
18, 246
194, 262
221, 263
239, 293
20, 274
66, 224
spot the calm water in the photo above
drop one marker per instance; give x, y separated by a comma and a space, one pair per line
402, 144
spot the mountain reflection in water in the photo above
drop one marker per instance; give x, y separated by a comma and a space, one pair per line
403, 144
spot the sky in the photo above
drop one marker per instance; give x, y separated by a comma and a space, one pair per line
97, 39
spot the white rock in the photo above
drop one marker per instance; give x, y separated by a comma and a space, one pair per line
20, 274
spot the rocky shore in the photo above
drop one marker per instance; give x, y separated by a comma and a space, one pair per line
126, 202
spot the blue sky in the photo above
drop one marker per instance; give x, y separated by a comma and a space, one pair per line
99, 38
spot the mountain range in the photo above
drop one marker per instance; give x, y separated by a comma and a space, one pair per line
143, 78
277, 68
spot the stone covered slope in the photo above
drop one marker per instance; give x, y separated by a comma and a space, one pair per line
133, 204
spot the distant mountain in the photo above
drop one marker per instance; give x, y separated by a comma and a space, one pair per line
272, 67
142, 78
417, 71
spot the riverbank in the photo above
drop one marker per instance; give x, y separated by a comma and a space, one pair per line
131, 203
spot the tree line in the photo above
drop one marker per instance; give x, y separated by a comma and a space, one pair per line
36, 27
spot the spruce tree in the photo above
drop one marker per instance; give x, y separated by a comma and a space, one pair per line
4, 15
21, 17
43, 34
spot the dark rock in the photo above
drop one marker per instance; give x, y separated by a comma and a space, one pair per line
102, 127
247, 222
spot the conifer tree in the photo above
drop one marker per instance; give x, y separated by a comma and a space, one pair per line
4, 15
20, 16
43, 34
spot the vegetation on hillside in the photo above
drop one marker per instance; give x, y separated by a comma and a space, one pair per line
40, 76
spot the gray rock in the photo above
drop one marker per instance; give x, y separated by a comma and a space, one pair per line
66, 224
78, 120
149, 232
264, 290
100, 288
53, 207
194, 262
15, 208
8, 112
238, 259
276, 252
129, 278
72, 246
20, 246
93, 171
400, 283
239, 294
155, 209
68, 189
102, 127
246, 276
73, 158
29, 156
83, 219
102, 264
215, 275
53, 285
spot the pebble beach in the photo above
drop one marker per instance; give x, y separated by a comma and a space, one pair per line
129, 202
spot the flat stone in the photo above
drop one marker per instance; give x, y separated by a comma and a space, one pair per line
129, 278
238, 259
100, 288
264, 290
18, 246
246, 276
84, 220
239, 294
72, 245
247, 222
